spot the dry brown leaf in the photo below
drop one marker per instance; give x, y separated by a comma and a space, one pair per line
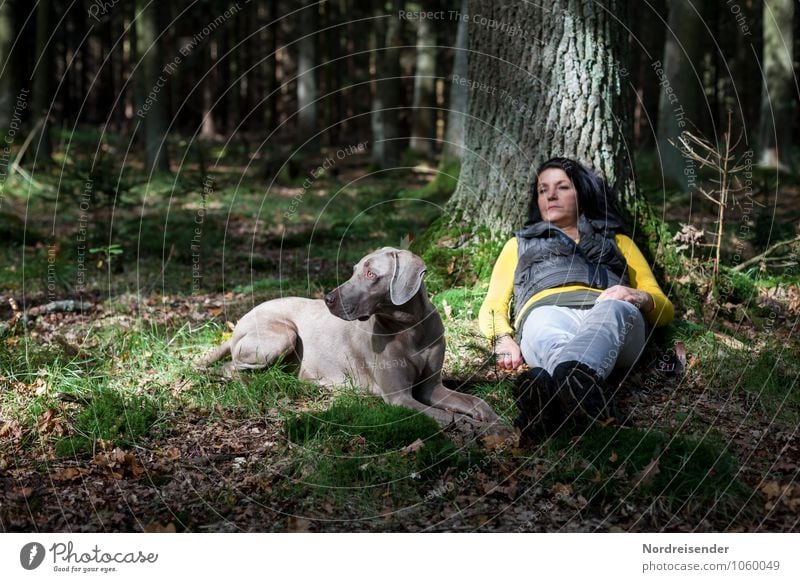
172, 454
648, 473
494, 441
561, 490
412, 448
10, 430
49, 423
120, 464
156, 527
297, 524
771, 489
614, 457
68, 474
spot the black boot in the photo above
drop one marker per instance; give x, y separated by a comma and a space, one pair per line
540, 412
583, 394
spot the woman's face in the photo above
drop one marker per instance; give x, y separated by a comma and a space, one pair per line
557, 198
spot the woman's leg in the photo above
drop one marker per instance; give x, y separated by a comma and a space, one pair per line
612, 333
548, 330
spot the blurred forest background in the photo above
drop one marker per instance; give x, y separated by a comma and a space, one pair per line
167, 165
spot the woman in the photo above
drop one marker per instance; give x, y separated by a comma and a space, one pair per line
583, 296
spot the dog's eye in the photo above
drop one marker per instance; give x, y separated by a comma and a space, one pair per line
369, 274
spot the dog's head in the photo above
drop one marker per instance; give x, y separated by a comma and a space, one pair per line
381, 282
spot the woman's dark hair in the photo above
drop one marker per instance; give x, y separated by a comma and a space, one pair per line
595, 199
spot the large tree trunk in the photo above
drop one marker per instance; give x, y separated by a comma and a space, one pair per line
42, 84
386, 96
459, 94
156, 115
549, 86
780, 93
679, 105
423, 129
307, 86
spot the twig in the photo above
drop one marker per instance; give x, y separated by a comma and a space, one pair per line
769, 251
15, 165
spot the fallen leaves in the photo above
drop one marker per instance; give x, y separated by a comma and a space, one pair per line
787, 495
120, 464
69, 474
49, 423
156, 527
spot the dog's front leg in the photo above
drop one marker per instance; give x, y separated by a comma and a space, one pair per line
434, 394
406, 399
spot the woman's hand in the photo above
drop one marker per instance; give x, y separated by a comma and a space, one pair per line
509, 356
640, 299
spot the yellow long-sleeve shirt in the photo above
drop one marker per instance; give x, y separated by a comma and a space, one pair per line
493, 318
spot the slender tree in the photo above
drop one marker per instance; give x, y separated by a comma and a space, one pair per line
459, 93
154, 107
387, 34
6, 73
423, 129
42, 82
780, 90
548, 86
681, 99
307, 84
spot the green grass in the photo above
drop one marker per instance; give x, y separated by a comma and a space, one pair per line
121, 420
691, 475
760, 379
354, 450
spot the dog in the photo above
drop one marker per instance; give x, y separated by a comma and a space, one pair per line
378, 330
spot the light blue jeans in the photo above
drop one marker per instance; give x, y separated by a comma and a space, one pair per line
610, 334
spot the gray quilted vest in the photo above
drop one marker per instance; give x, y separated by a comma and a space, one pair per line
548, 258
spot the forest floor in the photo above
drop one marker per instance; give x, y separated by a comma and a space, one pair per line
105, 425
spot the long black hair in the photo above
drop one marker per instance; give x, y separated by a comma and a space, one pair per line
595, 198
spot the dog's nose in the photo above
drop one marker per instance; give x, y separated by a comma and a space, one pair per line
330, 299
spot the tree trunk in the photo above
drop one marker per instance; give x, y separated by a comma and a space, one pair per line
41, 80
208, 127
386, 96
779, 92
6, 72
549, 86
423, 129
459, 94
307, 87
154, 107
269, 66
682, 87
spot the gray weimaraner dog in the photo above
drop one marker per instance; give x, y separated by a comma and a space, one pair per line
378, 330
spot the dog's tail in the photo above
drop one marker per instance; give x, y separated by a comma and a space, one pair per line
213, 355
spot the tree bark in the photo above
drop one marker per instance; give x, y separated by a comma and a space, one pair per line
679, 105
156, 115
779, 92
459, 94
545, 84
423, 128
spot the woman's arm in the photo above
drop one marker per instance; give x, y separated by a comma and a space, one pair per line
493, 315
642, 279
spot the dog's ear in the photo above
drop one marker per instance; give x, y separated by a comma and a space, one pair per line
406, 277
